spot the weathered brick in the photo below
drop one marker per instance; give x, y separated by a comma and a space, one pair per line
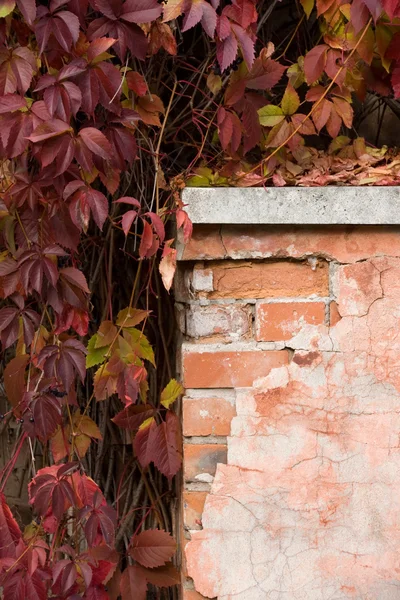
202, 279
346, 244
231, 321
334, 314
207, 416
193, 504
202, 459
229, 369
205, 243
247, 279
280, 321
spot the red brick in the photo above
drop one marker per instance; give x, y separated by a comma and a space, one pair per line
207, 416
282, 320
193, 505
347, 244
229, 369
202, 458
334, 314
225, 322
205, 243
247, 279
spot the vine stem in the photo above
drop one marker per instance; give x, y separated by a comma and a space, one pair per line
157, 153
107, 355
314, 108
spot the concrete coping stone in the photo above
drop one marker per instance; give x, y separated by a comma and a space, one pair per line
332, 205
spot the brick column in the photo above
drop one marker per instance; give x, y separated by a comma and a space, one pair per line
258, 306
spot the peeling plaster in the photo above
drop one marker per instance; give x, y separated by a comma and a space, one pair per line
308, 506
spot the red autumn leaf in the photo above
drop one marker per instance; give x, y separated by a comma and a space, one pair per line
84, 202
250, 123
63, 25
62, 97
264, 74
197, 11
46, 412
100, 81
149, 108
226, 51
166, 446
127, 220
133, 584
152, 548
161, 36
374, 7
137, 83
100, 521
14, 378
120, 22
72, 317
38, 266
392, 8
75, 277
243, 12
143, 443
321, 114
165, 576
28, 10
65, 361
344, 110
21, 585
51, 489
305, 124
96, 141
10, 532
132, 416
17, 67
315, 62
229, 129
147, 241
334, 123
246, 43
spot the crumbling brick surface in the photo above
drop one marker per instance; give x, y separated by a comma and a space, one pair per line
304, 503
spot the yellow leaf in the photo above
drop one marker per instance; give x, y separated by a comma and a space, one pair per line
308, 6
170, 393
6, 8
270, 115
290, 101
214, 83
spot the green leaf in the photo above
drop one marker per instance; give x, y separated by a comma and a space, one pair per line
95, 355
270, 115
198, 181
141, 345
338, 143
171, 392
290, 101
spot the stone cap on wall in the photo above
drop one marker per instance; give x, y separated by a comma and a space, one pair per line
333, 205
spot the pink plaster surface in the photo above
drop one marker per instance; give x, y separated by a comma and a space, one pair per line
308, 506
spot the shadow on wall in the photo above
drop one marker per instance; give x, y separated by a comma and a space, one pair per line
378, 120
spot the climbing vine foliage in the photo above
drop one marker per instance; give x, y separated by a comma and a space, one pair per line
108, 108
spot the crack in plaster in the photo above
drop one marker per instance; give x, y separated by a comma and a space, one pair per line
308, 506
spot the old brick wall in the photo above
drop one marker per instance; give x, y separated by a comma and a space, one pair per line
258, 306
